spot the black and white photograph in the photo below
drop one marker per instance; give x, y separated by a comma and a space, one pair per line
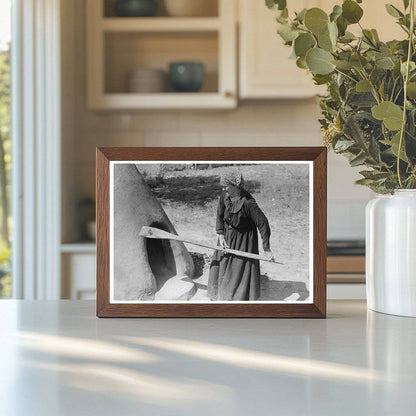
211, 232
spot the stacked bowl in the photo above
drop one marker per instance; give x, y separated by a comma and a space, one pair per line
147, 80
191, 8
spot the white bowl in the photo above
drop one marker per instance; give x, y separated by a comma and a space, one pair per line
191, 8
147, 80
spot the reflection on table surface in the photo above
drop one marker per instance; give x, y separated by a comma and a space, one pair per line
57, 358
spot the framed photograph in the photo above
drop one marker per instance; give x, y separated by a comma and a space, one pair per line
211, 232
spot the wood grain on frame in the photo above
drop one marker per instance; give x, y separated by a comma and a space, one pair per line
317, 309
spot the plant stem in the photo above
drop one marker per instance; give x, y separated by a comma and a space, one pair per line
345, 75
373, 90
392, 90
369, 41
406, 79
398, 95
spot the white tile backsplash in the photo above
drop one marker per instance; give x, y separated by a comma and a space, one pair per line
285, 123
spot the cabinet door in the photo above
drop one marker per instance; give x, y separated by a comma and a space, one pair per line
78, 276
265, 68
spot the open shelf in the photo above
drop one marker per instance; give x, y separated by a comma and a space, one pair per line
211, 9
127, 51
160, 24
166, 101
116, 46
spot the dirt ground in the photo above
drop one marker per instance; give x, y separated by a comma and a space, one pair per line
190, 198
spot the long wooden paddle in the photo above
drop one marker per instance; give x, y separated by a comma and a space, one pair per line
151, 232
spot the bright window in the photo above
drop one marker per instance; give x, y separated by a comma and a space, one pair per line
5, 144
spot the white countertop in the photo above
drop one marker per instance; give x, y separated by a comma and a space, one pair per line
57, 359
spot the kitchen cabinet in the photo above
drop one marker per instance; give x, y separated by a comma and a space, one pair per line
265, 70
118, 45
78, 271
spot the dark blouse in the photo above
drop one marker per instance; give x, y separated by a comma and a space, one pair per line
242, 214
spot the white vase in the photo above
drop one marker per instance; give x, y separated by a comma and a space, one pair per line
391, 253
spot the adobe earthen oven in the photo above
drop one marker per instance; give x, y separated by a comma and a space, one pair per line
142, 265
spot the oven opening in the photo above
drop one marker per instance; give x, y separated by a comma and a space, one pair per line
160, 256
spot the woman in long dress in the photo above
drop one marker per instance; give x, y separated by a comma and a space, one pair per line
231, 277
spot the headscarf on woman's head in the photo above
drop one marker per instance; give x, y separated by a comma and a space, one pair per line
232, 176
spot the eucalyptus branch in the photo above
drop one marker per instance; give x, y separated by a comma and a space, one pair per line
373, 89
369, 41
392, 90
370, 64
397, 95
406, 79
345, 75
404, 29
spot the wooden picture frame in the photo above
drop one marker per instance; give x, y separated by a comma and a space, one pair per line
317, 159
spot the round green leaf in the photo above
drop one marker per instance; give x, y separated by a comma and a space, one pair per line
316, 20
303, 43
286, 32
393, 11
364, 181
301, 63
347, 37
394, 144
319, 61
403, 65
324, 42
327, 40
411, 90
375, 35
321, 79
358, 61
391, 114
336, 12
363, 86
333, 32
368, 35
342, 64
301, 15
351, 11
276, 4
342, 25
385, 63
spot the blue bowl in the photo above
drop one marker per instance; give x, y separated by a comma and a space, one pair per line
186, 76
135, 8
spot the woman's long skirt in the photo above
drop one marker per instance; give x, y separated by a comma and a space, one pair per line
233, 277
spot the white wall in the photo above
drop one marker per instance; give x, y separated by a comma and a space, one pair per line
265, 123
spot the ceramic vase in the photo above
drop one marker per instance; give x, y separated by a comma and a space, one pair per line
391, 253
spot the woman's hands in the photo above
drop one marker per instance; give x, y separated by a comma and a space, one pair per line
269, 255
221, 241
223, 244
